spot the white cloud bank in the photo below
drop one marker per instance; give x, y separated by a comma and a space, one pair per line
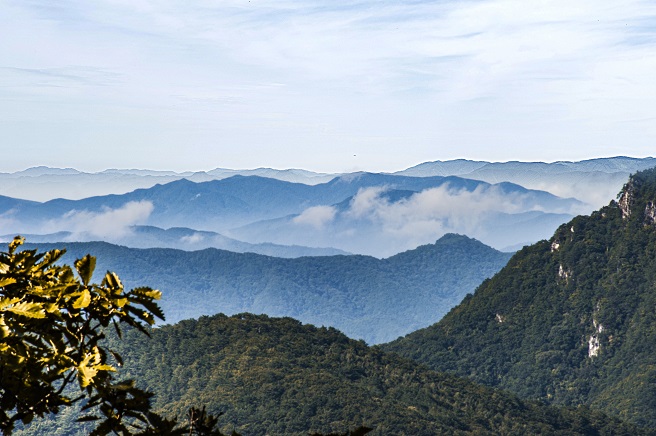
373, 224
194, 238
107, 224
317, 216
429, 214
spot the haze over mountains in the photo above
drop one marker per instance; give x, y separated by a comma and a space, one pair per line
593, 181
365, 213
181, 238
294, 212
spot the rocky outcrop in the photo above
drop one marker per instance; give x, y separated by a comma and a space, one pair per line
626, 199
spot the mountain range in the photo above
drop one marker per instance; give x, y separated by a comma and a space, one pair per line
593, 181
366, 213
367, 298
46, 183
569, 321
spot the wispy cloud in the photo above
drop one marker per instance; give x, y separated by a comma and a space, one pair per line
58, 77
365, 77
375, 224
317, 216
433, 212
106, 224
192, 239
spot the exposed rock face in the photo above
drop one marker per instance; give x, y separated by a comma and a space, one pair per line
564, 273
627, 202
626, 199
593, 346
593, 342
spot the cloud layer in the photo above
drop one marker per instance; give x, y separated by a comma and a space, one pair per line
426, 216
105, 225
373, 224
317, 216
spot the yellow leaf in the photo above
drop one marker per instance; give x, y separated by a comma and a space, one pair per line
51, 308
85, 267
4, 302
105, 368
86, 375
18, 240
148, 292
7, 281
85, 372
38, 290
83, 300
30, 310
112, 281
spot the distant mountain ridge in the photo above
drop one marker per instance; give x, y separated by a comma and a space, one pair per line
394, 215
570, 320
505, 232
463, 166
232, 203
182, 238
365, 213
46, 183
594, 181
367, 298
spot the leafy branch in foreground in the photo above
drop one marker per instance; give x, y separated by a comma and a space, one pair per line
51, 327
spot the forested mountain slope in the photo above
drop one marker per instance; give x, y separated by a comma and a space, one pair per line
568, 321
278, 377
367, 298
274, 376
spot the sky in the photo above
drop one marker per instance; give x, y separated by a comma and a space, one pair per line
323, 85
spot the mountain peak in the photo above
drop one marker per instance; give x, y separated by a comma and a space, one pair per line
450, 238
44, 170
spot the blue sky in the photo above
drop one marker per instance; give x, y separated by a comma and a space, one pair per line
326, 86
